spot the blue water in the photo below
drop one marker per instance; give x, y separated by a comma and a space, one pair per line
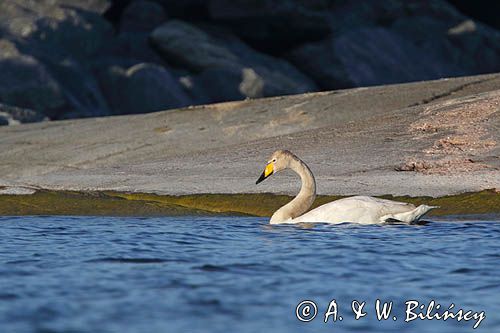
234, 274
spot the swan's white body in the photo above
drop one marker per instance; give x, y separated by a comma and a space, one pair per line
363, 210
358, 209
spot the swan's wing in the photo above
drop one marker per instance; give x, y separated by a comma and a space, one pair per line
358, 209
385, 206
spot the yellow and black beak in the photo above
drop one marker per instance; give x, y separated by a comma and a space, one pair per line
266, 173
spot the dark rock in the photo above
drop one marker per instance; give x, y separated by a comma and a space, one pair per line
80, 88
221, 84
53, 50
61, 39
194, 88
97, 6
186, 9
211, 49
373, 56
26, 82
369, 56
479, 46
184, 44
470, 46
22, 14
191, 10
419, 40
231, 83
142, 88
274, 26
485, 11
76, 33
280, 76
318, 61
142, 16
354, 14
58, 30
13, 115
134, 46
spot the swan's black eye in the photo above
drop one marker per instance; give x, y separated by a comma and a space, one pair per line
274, 160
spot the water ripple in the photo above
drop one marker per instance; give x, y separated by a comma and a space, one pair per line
131, 260
217, 274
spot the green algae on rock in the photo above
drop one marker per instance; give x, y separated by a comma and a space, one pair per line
264, 204
45, 202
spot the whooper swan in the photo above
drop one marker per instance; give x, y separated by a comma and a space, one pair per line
358, 209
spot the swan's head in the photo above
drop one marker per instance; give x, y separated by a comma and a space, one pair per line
279, 161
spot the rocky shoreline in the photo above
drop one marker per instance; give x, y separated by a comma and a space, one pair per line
183, 98
64, 59
433, 138
479, 206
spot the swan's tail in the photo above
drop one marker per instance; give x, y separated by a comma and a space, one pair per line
412, 216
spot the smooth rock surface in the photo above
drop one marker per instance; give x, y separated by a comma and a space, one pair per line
445, 132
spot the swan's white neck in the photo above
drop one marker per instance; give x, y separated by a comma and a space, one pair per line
303, 201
